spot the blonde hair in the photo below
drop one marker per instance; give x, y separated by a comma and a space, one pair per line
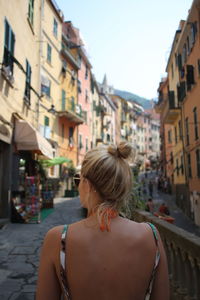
107, 169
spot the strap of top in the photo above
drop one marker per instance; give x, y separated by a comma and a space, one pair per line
63, 263
157, 259
154, 232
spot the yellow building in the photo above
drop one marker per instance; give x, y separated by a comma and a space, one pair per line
50, 67
69, 111
19, 95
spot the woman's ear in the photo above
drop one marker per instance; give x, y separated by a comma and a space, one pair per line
88, 185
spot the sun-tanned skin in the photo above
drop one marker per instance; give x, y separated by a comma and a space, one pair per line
108, 265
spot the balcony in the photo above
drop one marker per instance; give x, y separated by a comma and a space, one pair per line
160, 104
173, 110
72, 112
66, 52
100, 109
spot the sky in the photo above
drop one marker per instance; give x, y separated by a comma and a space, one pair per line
128, 40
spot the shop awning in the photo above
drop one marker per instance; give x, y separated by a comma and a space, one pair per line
56, 161
28, 138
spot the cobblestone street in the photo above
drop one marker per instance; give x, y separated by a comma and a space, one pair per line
20, 247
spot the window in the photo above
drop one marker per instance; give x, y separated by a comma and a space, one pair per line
80, 144
63, 132
184, 54
86, 95
195, 124
72, 103
182, 165
79, 86
45, 86
49, 50
180, 130
177, 167
188, 46
172, 68
71, 132
31, 11
46, 121
9, 45
47, 130
27, 93
175, 133
189, 166
169, 136
187, 131
85, 116
63, 104
86, 144
55, 27
198, 162
86, 72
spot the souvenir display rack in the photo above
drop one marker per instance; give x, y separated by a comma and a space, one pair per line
47, 195
26, 204
32, 198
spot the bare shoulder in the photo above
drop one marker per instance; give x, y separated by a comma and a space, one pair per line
54, 231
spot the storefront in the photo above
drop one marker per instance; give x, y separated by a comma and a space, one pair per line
5, 159
27, 173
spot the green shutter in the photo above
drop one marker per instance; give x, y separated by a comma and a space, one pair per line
46, 121
72, 104
31, 11
63, 100
48, 53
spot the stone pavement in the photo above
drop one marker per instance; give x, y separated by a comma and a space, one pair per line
20, 247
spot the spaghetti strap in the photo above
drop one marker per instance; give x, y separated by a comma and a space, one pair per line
63, 263
156, 262
154, 232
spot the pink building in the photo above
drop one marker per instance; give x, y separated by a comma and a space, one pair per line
84, 100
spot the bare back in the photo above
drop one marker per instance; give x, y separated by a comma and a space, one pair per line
109, 265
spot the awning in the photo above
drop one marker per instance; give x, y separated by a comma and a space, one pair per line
28, 138
55, 161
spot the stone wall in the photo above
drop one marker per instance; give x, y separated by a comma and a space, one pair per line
183, 254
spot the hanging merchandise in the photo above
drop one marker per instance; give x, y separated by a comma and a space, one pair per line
32, 198
25, 204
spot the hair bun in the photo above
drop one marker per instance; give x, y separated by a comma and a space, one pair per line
123, 150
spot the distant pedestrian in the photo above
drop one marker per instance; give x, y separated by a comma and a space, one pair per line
150, 186
164, 210
149, 205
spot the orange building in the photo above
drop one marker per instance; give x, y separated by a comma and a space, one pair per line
188, 59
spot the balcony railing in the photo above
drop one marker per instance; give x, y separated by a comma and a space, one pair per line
72, 112
183, 255
66, 52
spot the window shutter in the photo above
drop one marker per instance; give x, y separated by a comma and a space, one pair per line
179, 62
6, 40
63, 99
171, 99
46, 121
190, 75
